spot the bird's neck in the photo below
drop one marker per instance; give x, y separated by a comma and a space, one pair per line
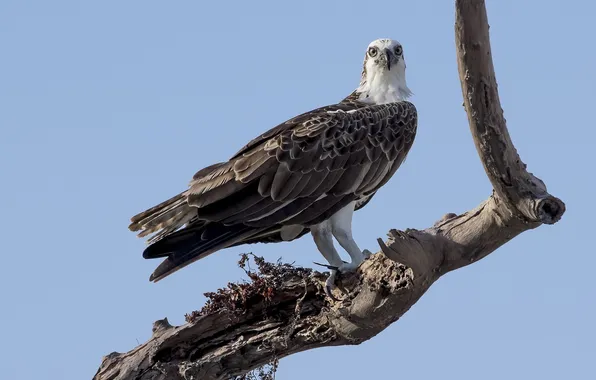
381, 87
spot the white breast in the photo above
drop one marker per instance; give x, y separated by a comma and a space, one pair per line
383, 87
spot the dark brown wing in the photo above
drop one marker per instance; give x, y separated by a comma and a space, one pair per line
275, 235
307, 171
346, 105
299, 173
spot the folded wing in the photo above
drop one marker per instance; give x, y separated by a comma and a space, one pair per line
295, 175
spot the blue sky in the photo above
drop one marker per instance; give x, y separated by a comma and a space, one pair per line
107, 108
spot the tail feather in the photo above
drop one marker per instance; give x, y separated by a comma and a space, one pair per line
164, 218
187, 246
174, 225
137, 220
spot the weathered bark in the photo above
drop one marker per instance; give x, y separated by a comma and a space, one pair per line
285, 311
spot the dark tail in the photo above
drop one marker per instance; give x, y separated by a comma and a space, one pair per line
193, 243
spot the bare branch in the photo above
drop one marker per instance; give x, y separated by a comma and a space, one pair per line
525, 193
284, 310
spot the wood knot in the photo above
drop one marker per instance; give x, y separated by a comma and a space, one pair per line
550, 210
111, 355
445, 218
160, 326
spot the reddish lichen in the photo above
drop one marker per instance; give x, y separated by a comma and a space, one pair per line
266, 372
261, 287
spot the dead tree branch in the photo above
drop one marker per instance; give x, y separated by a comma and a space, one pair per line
284, 310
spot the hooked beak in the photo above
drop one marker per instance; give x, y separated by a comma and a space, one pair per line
388, 58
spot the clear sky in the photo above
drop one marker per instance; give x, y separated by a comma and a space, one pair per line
109, 107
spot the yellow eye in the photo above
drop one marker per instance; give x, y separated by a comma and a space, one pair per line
373, 51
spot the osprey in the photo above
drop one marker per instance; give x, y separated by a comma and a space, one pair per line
307, 174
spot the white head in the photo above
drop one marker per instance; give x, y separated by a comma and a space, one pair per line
384, 73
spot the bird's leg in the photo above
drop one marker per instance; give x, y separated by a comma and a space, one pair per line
323, 238
341, 228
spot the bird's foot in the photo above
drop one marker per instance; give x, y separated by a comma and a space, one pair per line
367, 253
330, 284
336, 273
330, 267
349, 267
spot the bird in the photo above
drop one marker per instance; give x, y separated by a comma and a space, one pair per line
306, 175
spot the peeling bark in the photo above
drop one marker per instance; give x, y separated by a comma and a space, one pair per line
284, 310
526, 195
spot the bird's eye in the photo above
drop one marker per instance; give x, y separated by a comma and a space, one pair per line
398, 50
373, 51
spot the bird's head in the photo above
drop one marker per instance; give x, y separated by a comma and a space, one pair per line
383, 54
384, 72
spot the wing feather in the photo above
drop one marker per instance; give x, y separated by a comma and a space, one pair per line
283, 213
296, 174
284, 182
264, 207
232, 205
309, 216
351, 179
298, 189
372, 170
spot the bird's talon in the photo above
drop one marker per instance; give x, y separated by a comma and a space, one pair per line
330, 284
329, 293
330, 267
